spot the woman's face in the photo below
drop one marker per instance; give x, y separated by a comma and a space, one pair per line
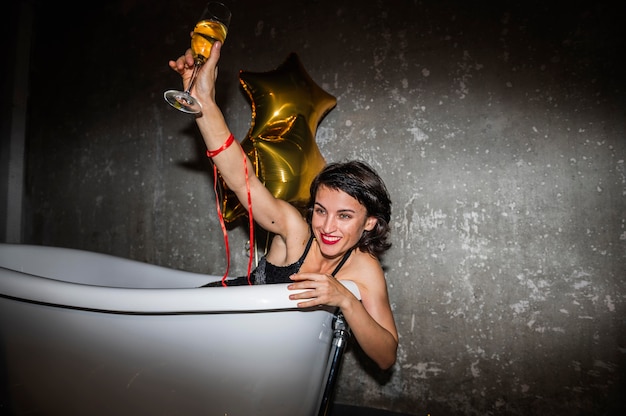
338, 221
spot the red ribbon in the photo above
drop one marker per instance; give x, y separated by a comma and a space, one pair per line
214, 153
226, 145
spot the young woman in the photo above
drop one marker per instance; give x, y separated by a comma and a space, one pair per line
345, 231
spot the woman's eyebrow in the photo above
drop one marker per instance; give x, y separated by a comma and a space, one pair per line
341, 210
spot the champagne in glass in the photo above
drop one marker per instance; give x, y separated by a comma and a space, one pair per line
205, 34
211, 27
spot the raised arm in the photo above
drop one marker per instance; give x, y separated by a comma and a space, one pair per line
270, 213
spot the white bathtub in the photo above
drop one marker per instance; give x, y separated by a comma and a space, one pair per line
83, 333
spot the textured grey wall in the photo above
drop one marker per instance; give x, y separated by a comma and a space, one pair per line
499, 128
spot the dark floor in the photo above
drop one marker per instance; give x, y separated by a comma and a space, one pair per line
346, 410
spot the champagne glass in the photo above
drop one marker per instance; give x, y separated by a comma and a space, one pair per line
211, 27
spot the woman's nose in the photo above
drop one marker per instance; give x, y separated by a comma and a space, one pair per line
329, 224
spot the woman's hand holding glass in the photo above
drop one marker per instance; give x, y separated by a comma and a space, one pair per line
210, 29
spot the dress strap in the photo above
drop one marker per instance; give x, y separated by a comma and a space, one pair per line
341, 263
306, 249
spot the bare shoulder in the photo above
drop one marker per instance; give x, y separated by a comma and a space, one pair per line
366, 271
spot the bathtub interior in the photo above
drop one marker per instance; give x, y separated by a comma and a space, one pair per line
154, 343
98, 269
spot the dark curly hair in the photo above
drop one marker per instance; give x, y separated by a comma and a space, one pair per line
360, 181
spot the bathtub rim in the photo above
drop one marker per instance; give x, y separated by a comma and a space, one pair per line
40, 290
34, 288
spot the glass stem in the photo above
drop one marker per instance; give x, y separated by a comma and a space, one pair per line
196, 67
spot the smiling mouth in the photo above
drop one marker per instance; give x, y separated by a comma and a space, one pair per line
329, 239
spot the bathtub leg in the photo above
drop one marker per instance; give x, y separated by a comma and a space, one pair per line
341, 336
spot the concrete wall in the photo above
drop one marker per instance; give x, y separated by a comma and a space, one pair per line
499, 128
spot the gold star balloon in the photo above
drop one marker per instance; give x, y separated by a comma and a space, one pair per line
287, 106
